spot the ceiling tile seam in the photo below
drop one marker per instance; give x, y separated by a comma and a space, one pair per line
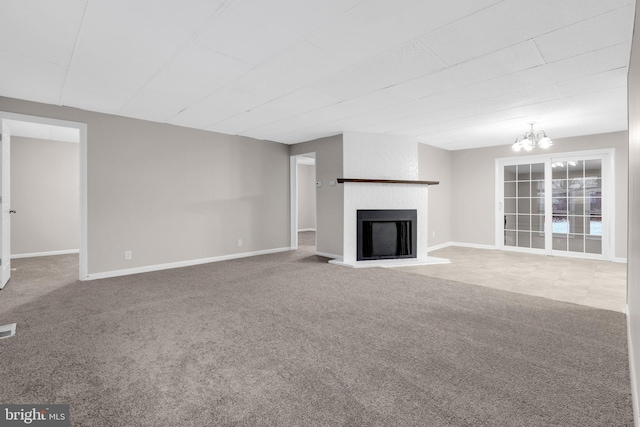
399, 104
73, 53
180, 50
275, 121
590, 18
32, 58
554, 83
486, 113
537, 49
311, 85
431, 51
523, 41
471, 116
591, 51
257, 67
304, 39
455, 21
328, 23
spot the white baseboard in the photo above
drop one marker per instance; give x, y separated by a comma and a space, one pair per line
632, 372
306, 229
440, 246
170, 265
327, 255
473, 245
49, 253
620, 260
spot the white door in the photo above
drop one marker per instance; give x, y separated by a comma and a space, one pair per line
556, 205
5, 200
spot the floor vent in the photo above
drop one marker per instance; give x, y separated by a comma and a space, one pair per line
7, 331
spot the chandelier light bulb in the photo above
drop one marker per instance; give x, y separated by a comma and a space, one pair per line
530, 140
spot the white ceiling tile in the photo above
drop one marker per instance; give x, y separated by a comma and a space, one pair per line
242, 31
506, 61
333, 113
127, 30
190, 77
604, 30
404, 63
590, 63
93, 76
471, 110
593, 83
376, 26
510, 22
31, 79
41, 29
293, 69
295, 103
441, 70
239, 37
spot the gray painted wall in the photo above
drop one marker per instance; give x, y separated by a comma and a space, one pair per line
306, 197
633, 259
473, 189
45, 193
329, 199
172, 194
434, 164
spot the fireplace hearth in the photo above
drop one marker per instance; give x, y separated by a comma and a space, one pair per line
386, 234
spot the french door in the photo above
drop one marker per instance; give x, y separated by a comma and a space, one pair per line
556, 205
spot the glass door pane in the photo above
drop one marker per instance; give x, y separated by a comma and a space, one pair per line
577, 206
524, 208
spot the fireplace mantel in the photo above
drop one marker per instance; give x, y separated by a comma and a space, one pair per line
387, 181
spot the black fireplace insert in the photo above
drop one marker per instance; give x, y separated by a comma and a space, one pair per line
387, 234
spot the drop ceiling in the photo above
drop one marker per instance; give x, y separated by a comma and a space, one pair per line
455, 75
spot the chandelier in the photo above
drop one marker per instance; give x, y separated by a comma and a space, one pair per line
532, 139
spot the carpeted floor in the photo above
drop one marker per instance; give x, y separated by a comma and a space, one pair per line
289, 340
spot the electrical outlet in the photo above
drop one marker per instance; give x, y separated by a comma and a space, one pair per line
433, 234
239, 242
128, 255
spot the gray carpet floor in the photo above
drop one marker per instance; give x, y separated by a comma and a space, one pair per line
289, 340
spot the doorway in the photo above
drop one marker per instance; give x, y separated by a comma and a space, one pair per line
559, 204
303, 200
81, 128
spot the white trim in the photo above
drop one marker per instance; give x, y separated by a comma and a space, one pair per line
328, 255
607, 155
620, 260
391, 263
473, 245
49, 253
440, 246
632, 371
83, 273
293, 203
304, 160
294, 161
306, 229
170, 265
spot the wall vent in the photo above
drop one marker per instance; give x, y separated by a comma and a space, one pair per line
7, 331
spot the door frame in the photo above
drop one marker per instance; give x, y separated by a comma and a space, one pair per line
294, 161
82, 127
608, 201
